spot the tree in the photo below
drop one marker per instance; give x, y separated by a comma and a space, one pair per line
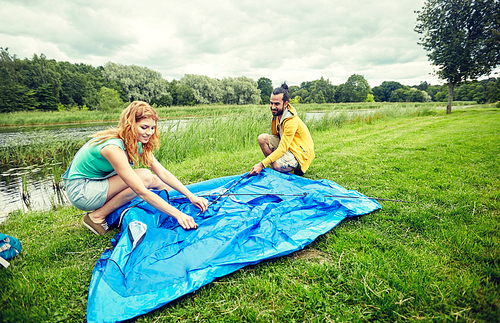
163, 101
432, 90
185, 95
265, 86
16, 97
462, 39
322, 91
44, 77
139, 83
205, 89
240, 90
492, 93
293, 89
355, 89
423, 86
382, 93
408, 94
45, 96
399, 95
302, 93
109, 99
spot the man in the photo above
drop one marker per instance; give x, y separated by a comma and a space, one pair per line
290, 147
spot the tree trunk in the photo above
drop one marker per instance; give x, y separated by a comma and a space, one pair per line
451, 88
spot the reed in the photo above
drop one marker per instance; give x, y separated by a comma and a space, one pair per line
220, 133
25, 192
228, 133
40, 151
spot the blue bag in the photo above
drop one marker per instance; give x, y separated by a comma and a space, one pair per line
9, 248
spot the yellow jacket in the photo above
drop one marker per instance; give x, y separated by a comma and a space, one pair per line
294, 135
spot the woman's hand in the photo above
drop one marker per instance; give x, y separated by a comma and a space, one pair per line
186, 221
200, 202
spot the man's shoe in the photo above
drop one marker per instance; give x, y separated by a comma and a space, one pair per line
97, 228
298, 171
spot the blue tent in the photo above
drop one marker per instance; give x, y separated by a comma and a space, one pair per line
154, 261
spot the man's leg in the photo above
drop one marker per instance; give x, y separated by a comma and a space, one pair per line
268, 144
264, 144
280, 169
285, 163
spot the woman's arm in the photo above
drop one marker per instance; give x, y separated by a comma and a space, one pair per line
118, 159
169, 179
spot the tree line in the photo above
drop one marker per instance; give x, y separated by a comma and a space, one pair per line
45, 84
356, 89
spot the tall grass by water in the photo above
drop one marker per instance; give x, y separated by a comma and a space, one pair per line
40, 152
77, 116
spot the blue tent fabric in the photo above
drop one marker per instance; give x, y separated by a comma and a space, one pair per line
154, 261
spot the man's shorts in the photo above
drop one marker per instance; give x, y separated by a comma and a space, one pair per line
288, 160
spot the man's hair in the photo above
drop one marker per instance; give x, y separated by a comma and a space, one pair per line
283, 89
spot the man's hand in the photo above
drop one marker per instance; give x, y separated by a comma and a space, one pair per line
256, 169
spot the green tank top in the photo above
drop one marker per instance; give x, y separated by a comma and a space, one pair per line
89, 163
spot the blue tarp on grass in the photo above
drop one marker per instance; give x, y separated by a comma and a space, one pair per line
154, 261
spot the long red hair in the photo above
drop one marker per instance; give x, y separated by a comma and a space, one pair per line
127, 131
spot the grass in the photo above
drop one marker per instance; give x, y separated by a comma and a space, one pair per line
437, 260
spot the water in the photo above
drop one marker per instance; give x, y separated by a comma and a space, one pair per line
12, 136
29, 188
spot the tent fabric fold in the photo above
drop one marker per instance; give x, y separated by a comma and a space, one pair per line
154, 261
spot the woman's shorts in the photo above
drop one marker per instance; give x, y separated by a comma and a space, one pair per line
87, 194
288, 160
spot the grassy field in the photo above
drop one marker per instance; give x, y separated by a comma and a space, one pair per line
436, 260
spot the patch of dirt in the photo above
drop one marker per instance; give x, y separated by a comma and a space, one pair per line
312, 255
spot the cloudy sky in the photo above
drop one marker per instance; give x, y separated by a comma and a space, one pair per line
292, 41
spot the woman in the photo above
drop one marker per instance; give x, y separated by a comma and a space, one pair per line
101, 178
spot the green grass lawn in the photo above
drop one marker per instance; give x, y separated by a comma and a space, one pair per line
435, 260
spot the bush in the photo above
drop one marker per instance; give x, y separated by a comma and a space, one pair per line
109, 99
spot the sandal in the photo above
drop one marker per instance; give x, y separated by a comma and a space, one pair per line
97, 228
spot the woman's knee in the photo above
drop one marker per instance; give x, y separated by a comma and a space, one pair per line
147, 177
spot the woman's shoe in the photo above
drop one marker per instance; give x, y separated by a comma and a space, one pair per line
97, 228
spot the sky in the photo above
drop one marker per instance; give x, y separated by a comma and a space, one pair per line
292, 41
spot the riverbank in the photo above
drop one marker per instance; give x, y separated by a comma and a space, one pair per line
434, 260
28, 118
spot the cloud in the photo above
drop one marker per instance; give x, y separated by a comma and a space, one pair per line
295, 41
